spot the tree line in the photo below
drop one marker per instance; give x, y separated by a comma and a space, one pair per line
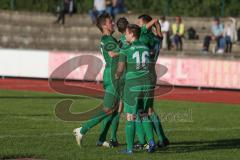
190, 8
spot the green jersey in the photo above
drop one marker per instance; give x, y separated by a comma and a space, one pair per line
123, 42
136, 57
153, 42
146, 37
156, 48
123, 45
109, 43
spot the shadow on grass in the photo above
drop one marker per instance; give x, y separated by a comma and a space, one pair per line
196, 146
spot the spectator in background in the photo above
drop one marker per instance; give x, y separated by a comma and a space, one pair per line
230, 34
109, 7
99, 7
67, 6
178, 30
217, 35
165, 25
192, 34
238, 35
118, 7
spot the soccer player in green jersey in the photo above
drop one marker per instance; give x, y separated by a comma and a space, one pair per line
135, 58
122, 24
109, 114
153, 42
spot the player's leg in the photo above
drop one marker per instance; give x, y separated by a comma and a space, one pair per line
139, 128
142, 92
147, 124
163, 140
155, 118
115, 124
116, 116
106, 123
130, 131
130, 109
109, 102
96, 119
156, 121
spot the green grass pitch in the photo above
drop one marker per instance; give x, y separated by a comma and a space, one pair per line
29, 128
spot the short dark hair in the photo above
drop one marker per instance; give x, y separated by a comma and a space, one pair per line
146, 18
122, 24
101, 20
163, 18
217, 19
135, 29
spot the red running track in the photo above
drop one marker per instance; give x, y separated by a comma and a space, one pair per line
182, 94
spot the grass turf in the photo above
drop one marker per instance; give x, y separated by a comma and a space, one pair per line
29, 128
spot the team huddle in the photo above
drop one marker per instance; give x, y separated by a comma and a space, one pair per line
129, 81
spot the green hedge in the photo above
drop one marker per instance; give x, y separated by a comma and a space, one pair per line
169, 7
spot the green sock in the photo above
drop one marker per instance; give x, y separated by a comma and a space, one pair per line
157, 127
93, 122
130, 133
140, 131
106, 123
114, 127
147, 125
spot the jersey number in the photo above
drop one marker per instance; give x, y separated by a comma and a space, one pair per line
141, 61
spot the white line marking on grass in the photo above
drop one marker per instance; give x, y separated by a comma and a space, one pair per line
35, 119
120, 132
30, 136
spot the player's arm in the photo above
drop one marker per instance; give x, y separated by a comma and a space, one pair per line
151, 23
117, 51
120, 70
121, 64
158, 30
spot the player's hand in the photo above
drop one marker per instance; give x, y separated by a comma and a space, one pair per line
112, 54
117, 76
155, 20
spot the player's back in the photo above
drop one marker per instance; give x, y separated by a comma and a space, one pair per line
137, 58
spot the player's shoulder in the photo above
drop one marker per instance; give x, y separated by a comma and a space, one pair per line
139, 44
144, 29
123, 37
107, 38
125, 49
